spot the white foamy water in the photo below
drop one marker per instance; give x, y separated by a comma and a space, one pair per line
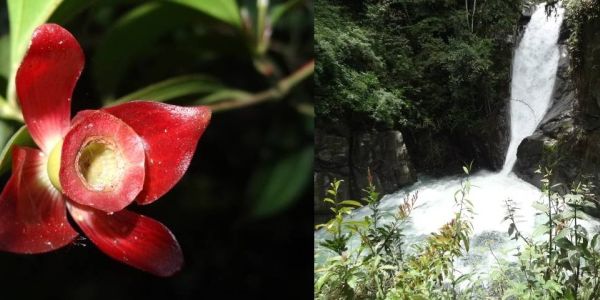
533, 75
436, 206
534, 72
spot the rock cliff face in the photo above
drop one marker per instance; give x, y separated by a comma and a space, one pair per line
384, 155
446, 153
350, 155
568, 139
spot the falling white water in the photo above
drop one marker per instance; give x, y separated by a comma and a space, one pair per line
534, 71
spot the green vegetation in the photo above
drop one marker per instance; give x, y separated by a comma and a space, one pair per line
444, 66
429, 64
237, 210
559, 261
579, 13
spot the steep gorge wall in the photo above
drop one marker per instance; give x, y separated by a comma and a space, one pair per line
353, 156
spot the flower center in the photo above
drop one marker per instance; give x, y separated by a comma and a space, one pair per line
100, 164
53, 165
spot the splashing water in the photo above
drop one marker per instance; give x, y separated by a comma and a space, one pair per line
534, 72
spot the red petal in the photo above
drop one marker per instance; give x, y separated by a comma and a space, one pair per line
121, 181
171, 134
133, 239
33, 218
81, 115
45, 82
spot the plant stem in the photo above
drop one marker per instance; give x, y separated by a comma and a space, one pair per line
578, 264
550, 225
277, 92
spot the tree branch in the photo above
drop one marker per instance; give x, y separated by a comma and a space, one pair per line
281, 89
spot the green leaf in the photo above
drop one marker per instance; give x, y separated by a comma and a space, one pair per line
351, 202
69, 9
540, 207
589, 210
24, 16
319, 226
540, 229
223, 95
279, 10
173, 88
565, 244
6, 131
146, 23
275, 186
224, 10
511, 229
329, 200
321, 281
21, 138
563, 233
5, 56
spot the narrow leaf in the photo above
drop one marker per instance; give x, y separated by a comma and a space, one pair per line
173, 88
540, 207
275, 186
4, 56
223, 95
279, 10
223, 10
22, 138
329, 200
351, 202
24, 17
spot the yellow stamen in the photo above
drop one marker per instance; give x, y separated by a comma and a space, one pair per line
100, 164
53, 166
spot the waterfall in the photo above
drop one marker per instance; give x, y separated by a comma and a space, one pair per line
534, 70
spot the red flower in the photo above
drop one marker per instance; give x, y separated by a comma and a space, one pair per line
94, 165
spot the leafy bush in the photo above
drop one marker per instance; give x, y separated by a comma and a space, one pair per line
378, 267
559, 261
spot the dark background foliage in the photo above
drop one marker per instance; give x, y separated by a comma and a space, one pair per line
413, 64
242, 211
